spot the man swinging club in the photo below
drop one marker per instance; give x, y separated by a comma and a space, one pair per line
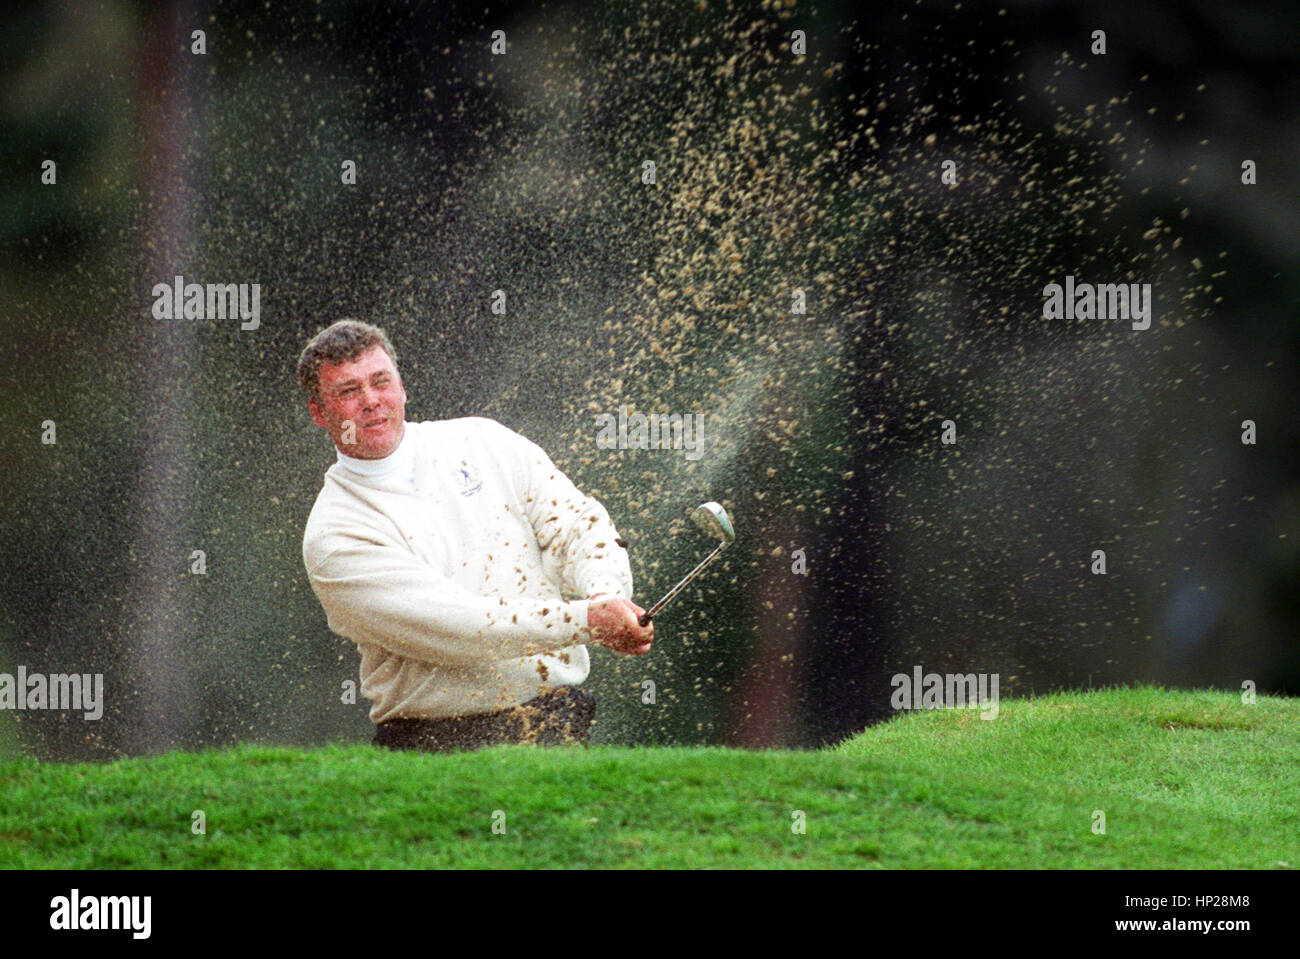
444, 550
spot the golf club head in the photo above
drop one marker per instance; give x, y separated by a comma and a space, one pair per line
713, 519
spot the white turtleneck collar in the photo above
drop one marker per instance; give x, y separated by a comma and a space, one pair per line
397, 465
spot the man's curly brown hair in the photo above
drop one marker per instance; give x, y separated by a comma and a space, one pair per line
340, 342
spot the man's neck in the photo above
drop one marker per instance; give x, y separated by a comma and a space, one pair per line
385, 466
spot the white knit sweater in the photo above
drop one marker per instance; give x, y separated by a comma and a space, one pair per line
448, 563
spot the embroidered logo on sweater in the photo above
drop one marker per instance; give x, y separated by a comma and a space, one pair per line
470, 482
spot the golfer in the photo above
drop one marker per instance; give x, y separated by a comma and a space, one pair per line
444, 550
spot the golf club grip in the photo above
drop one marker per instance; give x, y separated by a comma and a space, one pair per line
643, 619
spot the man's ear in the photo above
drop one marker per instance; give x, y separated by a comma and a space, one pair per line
317, 414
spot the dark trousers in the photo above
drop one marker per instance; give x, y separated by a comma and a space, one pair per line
560, 716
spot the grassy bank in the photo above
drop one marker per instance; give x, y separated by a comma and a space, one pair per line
1184, 779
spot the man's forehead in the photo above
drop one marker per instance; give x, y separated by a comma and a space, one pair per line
374, 360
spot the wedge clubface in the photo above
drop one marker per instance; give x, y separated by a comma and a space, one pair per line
713, 519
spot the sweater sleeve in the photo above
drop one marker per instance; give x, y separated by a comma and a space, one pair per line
380, 593
574, 530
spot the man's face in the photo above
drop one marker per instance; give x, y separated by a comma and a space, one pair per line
362, 405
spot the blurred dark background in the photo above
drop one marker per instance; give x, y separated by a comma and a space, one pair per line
522, 172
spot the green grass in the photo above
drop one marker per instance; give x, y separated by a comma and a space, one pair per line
1185, 779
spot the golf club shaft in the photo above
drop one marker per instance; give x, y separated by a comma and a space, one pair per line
649, 614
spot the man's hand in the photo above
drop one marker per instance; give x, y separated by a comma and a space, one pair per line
613, 623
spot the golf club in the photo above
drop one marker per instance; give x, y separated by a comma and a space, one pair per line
713, 519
